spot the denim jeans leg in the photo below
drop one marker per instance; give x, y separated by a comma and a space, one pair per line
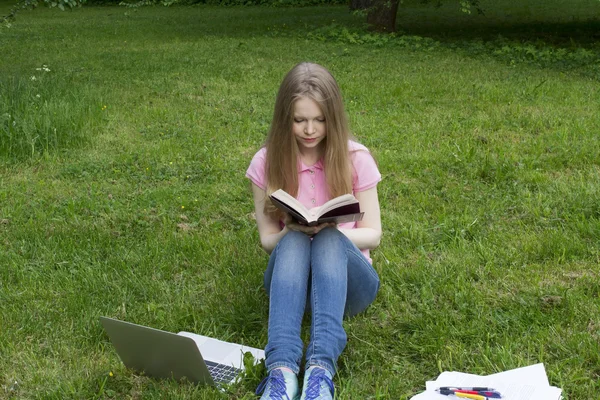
334, 268
286, 282
363, 281
328, 297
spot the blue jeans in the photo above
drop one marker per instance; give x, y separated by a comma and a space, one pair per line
327, 274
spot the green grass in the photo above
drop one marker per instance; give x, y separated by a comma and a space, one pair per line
136, 206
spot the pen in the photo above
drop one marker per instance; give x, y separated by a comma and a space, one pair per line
475, 388
469, 396
490, 394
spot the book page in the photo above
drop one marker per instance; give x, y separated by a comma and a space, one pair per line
285, 202
334, 203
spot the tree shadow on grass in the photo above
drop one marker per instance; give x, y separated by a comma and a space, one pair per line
567, 46
558, 34
561, 43
564, 44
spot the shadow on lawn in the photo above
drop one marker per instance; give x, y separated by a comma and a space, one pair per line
584, 34
569, 45
566, 46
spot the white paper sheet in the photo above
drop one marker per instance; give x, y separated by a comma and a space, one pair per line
527, 383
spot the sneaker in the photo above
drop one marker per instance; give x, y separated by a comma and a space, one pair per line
280, 384
317, 384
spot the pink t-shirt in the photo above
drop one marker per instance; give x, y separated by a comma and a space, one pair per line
312, 186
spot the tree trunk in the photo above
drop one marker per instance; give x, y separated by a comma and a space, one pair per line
381, 16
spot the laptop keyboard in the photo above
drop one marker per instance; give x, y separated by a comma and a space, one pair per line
222, 373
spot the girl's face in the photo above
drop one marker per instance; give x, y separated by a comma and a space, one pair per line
309, 125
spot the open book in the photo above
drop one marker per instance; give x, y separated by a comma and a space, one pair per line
344, 208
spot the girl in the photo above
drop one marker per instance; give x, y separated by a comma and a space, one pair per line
325, 268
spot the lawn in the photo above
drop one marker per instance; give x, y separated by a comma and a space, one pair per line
125, 134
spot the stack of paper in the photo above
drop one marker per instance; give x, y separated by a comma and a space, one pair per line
527, 383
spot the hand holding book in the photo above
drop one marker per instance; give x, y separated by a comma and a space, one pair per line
310, 230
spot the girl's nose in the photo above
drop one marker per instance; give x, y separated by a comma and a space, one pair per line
310, 128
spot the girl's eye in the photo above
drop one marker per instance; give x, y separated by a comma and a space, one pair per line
321, 120
297, 120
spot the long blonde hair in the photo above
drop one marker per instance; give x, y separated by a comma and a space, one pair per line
307, 80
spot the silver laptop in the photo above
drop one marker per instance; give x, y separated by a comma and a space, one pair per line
162, 354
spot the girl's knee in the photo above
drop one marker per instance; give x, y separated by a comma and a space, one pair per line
295, 238
330, 233
330, 240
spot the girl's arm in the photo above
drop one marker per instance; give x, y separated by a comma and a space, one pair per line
367, 233
268, 228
